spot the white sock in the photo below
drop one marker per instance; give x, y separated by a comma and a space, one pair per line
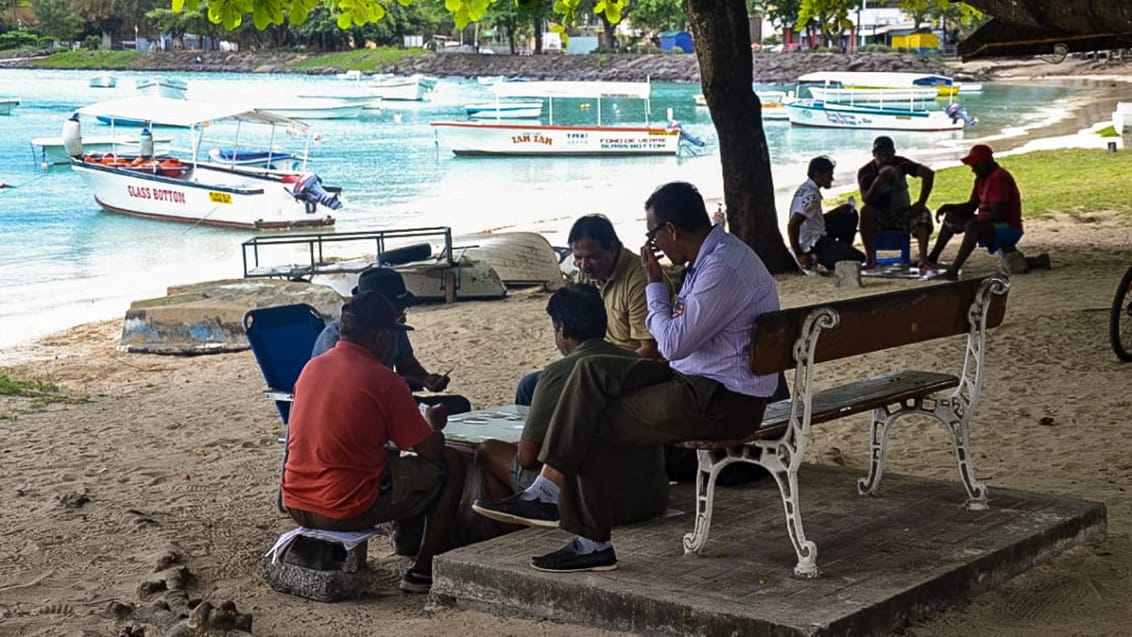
542, 490
587, 546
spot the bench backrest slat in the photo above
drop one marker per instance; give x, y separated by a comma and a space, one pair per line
871, 323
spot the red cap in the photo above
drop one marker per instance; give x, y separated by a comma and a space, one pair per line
979, 154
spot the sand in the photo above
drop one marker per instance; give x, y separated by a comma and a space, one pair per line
160, 472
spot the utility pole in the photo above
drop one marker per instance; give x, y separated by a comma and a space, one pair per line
860, 29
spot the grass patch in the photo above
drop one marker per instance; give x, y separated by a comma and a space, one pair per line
31, 396
1070, 181
90, 60
365, 60
1108, 131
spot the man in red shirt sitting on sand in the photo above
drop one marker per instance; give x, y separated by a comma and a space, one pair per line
339, 475
992, 217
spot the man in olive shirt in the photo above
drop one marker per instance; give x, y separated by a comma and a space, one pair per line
578, 316
617, 273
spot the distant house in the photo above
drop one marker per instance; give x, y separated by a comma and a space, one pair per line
922, 42
676, 40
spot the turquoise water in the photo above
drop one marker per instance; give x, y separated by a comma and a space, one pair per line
65, 262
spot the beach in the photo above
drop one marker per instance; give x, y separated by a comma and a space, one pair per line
153, 478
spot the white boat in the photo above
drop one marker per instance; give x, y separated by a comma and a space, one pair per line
504, 110
407, 88
359, 95
256, 158
313, 108
856, 95
158, 86
7, 104
945, 86
536, 139
353, 74
809, 112
970, 87
105, 80
772, 104
51, 151
522, 259
202, 192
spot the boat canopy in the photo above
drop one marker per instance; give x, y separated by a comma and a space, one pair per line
185, 113
593, 90
877, 79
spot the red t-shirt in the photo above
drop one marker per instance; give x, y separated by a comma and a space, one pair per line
347, 407
999, 187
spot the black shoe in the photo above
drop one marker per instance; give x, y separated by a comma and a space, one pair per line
516, 510
568, 560
1040, 262
414, 582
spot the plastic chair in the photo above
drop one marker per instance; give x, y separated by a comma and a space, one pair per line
890, 241
281, 338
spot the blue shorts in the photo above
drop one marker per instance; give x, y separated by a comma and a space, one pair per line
1005, 236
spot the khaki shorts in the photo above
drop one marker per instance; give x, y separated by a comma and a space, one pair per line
409, 487
899, 220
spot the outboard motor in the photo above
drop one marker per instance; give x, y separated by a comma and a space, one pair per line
309, 189
956, 112
685, 136
72, 135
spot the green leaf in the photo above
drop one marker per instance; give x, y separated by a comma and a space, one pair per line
178, 5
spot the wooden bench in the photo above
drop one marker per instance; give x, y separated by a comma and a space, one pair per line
802, 337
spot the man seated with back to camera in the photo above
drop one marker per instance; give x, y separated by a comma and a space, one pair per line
616, 272
338, 474
400, 358
635, 475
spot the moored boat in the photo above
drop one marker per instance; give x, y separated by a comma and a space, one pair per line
256, 158
857, 95
945, 86
169, 87
196, 191
7, 104
504, 110
314, 108
809, 112
530, 139
772, 104
104, 80
406, 88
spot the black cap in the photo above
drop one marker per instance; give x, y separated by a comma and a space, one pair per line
883, 146
388, 283
371, 310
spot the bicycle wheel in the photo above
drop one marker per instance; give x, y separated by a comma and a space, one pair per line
1120, 320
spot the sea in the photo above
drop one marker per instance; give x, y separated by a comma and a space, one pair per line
64, 261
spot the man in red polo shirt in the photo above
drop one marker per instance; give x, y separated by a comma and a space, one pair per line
339, 475
992, 218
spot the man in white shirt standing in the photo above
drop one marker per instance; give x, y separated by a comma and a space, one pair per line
816, 237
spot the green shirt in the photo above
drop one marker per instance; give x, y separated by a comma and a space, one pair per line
624, 297
552, 381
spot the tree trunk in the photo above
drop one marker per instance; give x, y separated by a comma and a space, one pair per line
723, 48
538, 36
607, 31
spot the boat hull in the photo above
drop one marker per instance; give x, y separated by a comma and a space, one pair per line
161, 87
404, 89
205, 195
315, 108
103, 81
484, 139
514, 110
827, 115
7, 104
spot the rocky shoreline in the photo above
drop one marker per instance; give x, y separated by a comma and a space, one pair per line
768, 67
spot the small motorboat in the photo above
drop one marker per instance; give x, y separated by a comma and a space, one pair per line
169, 87
7, 104
104, 80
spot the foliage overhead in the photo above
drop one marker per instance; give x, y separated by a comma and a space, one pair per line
265, 13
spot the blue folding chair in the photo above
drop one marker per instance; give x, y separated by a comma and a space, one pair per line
282, 338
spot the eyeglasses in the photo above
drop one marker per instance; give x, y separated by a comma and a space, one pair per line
651, 234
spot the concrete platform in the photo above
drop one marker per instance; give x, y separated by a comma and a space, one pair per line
885, 561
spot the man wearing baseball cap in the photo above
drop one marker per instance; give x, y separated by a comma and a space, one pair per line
888, 206
338, 474
991, 218
400, 358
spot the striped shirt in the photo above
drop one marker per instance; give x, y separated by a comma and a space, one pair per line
707, 332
